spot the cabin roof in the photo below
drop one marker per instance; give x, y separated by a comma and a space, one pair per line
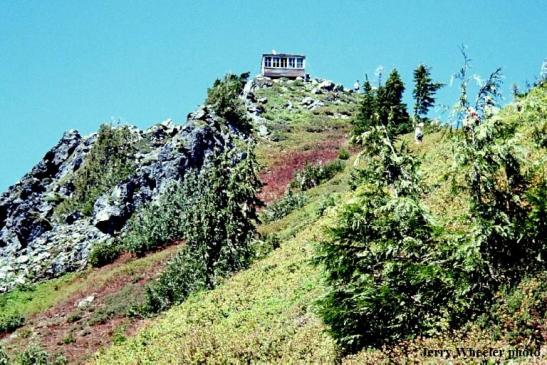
282, 55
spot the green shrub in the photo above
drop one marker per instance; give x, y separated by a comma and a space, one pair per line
313, 175
33, 355
220, 225
539, 135
343, 154
224, 99
327, 202
184, 275
104, 253
279, 209
109, 162
10, 321
118, 337
263, 246
4, 359
161, 222
119, 304
520, 312
381, 262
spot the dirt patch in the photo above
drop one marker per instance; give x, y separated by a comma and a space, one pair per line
281, 171
77, 332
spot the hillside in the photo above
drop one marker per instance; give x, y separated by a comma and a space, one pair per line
47, 313
268, 312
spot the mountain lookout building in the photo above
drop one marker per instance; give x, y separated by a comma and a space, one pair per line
283, 65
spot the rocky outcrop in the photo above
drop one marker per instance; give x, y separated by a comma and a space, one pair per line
34, 245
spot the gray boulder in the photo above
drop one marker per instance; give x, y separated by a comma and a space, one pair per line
35, 245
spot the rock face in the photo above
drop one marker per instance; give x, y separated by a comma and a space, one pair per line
34, 246
35, 243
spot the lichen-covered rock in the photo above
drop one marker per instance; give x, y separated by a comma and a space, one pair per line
34, 245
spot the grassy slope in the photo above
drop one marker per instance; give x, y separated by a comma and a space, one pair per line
48, 307
53, 322
40, 297
265, 314
299, 136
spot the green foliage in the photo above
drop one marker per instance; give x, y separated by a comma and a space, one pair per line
219, 229
520, 312
104, 253
279, 209
109, 162
391, 109
385, 278
313, 175
366, 116
259, 315
184, 275
539, 134
33, 355
383, 106
10, 320
223, 97
163, 221
504, 209
264, 245
4, 359
327, 202
424, 92
343, 154
392, 273
118, 337
119, 304
265, 314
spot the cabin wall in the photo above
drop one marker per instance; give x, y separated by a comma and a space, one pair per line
283, 72
283, 65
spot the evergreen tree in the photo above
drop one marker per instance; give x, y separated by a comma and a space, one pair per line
383, 107
220, 224
366, 114
223, 98
424, 92
503, 204
391, 109
384, 277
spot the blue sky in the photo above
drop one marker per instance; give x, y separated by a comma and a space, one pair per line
76, 64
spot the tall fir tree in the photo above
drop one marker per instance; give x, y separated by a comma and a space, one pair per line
384, 280
391, 109
366, 114
223, 98
220, 226
424, 92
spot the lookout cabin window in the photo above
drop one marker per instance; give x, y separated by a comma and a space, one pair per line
276, 65
291, 62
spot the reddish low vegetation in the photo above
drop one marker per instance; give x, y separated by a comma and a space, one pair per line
277, 176
78, 333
